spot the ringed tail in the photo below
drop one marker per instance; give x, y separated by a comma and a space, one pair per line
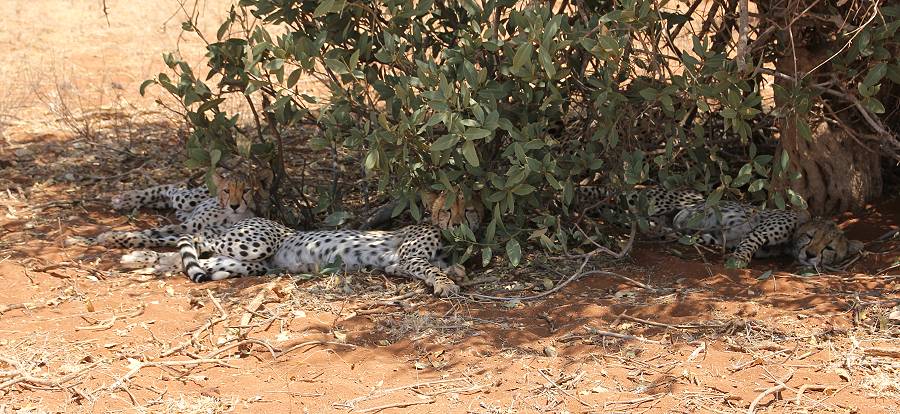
190, 259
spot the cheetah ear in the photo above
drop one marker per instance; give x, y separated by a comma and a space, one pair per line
854, 246
265, 177
218, 175
428, 198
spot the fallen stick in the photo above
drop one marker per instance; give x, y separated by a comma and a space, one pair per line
219, 351
143, 365
381, 393
666, 325
812, 387
48, 382
762, 395
555, 385
395, 405
888, 352
251, 308
312, 343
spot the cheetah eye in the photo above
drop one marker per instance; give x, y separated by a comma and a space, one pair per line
829, 248
225, 190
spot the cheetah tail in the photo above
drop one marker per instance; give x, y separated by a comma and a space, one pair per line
189, 259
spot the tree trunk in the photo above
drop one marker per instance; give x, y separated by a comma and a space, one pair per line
839, 172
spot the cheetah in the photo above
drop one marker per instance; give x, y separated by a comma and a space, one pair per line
257, 246
197, 209
747, 230
753, 232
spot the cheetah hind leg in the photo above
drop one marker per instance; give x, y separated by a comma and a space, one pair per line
153, 197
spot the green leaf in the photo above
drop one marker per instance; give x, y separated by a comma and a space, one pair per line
145, 84
222, 29
779, 200
476, 133
214, 156
294, 77
873, 105
486, 254
470, 153
733, 263
756, 185
372, 160
648, 94
743, 176
523, 55
803, 130
337, 66
523, 189
875, 74
796, 199
785, 159
513, 252
546, 61
324, 8
444, 142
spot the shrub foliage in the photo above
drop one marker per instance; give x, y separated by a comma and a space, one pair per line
512, 103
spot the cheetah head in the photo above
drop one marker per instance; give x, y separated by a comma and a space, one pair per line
823, 243
460, 211
237, 191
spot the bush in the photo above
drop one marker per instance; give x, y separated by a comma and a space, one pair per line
506, 102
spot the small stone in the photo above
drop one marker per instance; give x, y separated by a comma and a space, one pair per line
550, 351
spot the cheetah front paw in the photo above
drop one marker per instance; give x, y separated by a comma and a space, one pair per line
444, 287
736, 262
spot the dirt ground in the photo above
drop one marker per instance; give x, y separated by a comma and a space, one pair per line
677, 333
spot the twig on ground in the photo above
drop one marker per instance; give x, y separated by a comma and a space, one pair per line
623, 315
594, 331
142, 365
395, 405
812, 387
20, 376
251, 308
887, 352
312, 343
634, 401
618, 276
570, 395
380, 393
243, 342
479, 281
108, 323
14, 306
195, 336
762, 395
780, 386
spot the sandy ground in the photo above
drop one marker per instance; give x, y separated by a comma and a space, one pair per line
77, 335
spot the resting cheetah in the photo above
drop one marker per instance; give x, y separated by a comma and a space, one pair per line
257, 246
196, 208
750, 231
754, 232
